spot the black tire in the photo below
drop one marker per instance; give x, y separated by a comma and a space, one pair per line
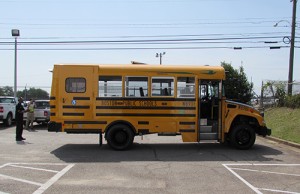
242, 137
120, 137
8, 120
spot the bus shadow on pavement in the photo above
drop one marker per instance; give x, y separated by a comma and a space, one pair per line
181, 152
3, 126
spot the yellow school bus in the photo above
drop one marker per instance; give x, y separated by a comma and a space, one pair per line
124, 101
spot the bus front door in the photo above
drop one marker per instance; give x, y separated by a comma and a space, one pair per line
209, 109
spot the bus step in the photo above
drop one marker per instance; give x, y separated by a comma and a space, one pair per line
208, 136
205, 129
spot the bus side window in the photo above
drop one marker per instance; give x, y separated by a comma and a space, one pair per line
162, 86
186, 87
136, 86
110, 86
75, 85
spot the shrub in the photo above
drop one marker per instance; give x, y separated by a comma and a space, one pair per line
292, 101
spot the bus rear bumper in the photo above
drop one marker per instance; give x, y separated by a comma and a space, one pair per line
54, 127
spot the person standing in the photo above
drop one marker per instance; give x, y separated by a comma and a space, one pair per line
19, 120
30, 115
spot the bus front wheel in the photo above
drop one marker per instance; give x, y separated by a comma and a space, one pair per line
242, 137
120, 137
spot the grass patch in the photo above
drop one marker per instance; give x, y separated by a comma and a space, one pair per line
284, 122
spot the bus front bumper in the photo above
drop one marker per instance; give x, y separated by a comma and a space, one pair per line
54, 127
264, 131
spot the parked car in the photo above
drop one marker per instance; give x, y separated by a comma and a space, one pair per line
7, 109
41, 111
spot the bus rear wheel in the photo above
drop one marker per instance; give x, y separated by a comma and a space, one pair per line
120, 137
242, 137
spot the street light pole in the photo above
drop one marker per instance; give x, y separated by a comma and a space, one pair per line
15, 33
291, 62
160, 56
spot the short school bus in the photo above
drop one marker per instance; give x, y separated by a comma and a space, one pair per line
124, 101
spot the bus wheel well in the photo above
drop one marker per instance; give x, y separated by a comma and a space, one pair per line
119, 122
242, 119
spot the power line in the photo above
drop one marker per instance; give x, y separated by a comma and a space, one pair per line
144, 48
150, 36
140, 40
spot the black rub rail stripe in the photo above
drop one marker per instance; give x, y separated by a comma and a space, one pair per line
146, 107
143, 122
81, 98
187, 130
52, 106
145, 115
83, 130
76, 107
186, 123
147, 99
72, 114
52, 97
143, 130
52, 114
85, 122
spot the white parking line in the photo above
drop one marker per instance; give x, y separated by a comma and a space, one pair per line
281, 173
243, 180
53, 179
255, 189
278, 191
250, 164
3, 192
20, 180
27, 167
43, 186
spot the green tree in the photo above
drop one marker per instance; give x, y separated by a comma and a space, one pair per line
237, 86
33, 93
280, 93
6, 91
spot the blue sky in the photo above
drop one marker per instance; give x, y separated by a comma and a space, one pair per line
191, 32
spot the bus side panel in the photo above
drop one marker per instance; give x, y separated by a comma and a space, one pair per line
165, 117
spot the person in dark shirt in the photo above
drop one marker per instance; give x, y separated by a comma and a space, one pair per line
19, 120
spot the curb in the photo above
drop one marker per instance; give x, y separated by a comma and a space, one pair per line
296, 145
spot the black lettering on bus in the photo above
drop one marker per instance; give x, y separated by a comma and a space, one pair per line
148, 103
188, 104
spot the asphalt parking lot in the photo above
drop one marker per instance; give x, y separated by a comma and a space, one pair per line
69, 163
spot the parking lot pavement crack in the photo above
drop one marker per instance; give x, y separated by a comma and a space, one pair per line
155, 153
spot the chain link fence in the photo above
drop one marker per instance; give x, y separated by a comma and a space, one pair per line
272, 92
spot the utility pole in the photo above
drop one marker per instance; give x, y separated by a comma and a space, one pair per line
160, 56
15, 33
291, 62
261, 104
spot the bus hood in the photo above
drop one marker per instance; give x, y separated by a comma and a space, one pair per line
245, 107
